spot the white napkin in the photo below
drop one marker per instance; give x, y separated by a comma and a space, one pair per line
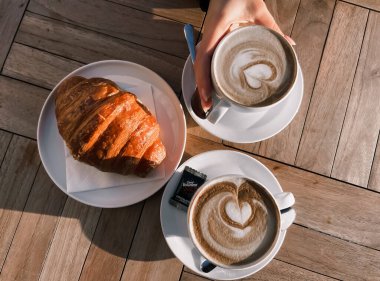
83, 177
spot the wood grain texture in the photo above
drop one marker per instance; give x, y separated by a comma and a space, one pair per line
327, 255
278, 270
284, 12
71, 242
275, 270
11, 12
331, 206
16, 178
37, 67
249, 147
20, 106
186, 11
87, 46
119, 21
111, 243
332, 90
5, 139
35, 230
371, 4
186, 276
150, 257
323, 204
374, 179
310, 31
361, 126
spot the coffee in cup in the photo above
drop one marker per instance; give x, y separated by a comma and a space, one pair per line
234, 221
253, 68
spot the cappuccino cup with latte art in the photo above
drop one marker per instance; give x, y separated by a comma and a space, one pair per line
253, 69
235, 221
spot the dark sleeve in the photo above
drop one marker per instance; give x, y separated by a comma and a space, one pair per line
204, 4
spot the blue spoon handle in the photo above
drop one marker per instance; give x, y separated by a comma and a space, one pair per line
189, 35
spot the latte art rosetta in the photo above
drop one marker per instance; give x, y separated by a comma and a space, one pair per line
230, 221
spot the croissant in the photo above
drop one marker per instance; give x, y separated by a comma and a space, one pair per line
107, 127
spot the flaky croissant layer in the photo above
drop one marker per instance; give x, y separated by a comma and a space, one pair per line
107, 127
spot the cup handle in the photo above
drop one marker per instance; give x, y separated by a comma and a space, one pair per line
285, 201
218, 110
287, 218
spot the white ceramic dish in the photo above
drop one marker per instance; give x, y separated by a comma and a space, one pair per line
243, 127
174, 222
172, 123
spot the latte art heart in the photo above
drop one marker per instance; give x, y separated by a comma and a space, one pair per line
254, 70
230, 221
239, 214
258, 73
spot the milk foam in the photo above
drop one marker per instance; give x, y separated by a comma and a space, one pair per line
254, 68
230, 224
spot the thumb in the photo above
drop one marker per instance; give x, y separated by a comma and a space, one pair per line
202, 70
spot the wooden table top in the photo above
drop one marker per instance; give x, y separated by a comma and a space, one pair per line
329, 156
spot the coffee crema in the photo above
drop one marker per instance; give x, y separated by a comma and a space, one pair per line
230, 221
255, 70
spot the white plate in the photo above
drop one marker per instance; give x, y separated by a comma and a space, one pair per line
172, 123
174, 221
242, 127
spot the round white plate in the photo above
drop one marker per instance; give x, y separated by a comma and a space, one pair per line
172, 123
174, 221
242, 127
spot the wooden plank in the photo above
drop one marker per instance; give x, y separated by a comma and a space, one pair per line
331, 206
370, 4
5, 139
284, 12
249, 147
88, 46
310, 31
21, 104
119, 21
111, 243
322, 203
150, 257
186, 11
328, 255
328, 105
186, 276
16, 177
11, 12
275, 270
37, 67
71, 242
278, 270
35, 230
374, 179
361, 127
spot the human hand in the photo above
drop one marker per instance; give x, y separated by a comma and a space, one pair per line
222, 17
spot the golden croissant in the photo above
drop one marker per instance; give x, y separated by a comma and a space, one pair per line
107, 127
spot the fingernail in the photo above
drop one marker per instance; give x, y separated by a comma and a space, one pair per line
290, 40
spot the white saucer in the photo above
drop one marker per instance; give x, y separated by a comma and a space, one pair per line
173, 133
174, 221
242, 127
